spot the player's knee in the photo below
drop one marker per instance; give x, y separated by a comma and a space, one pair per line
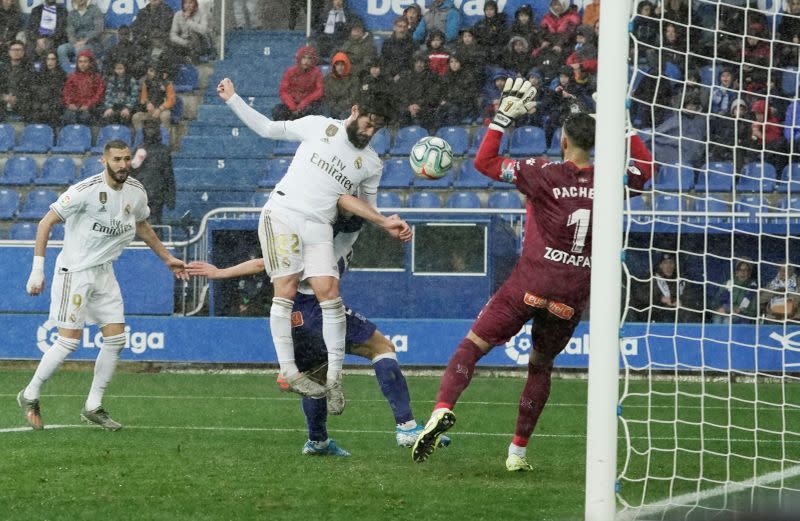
541, 360
379, 347
114, 343
66, 344
332, 308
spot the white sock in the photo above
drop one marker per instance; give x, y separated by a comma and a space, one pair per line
48, 365
407, 426
334, 328
517, 450
280, 324
104, 368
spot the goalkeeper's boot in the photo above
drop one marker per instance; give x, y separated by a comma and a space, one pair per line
101, 418
30, 409
335, 396
441, 421
407, 437
301, 384
319, 448
516, 463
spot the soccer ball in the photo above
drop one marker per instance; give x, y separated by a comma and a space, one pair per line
431, 157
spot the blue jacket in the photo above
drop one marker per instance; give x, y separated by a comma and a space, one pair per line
451, 25
791, 130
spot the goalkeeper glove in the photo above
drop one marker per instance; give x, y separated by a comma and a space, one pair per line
35, 282
516, 102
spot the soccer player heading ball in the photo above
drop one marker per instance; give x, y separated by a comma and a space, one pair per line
550, 282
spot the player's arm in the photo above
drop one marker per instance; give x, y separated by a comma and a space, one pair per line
35, 284
394, 225
146, 234
642, 168
205, 269
256, 121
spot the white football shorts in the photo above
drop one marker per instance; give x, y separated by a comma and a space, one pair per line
89, 296
290, 243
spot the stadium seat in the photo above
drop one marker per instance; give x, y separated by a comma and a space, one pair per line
213, 179
285, 148
380, 142
477, 137
668, 203
750, 203
757, 177
57, 170
91, 166
555, 144
470, 178
36, 204
527, 141
73, 139
35, 139
247, 147
424, 200
197, 146
674, 178
217, 115
7, 139
792, 204
259, 199
109, 133
397, 173
276, 169
789, 81
790, 180
19, 170
199, 203
187, 79
138, 137
504, 200
22, 231
9, 203
425, 184
463, 200
458, 137
715, 177
389, 200
405, 139
711, 205
57, 232
176, 114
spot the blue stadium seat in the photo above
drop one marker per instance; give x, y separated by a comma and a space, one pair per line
528, 141
425, 184
463, 200
247, 147
36, 204
259, 199
504, 200
668, 203
424, 200
90, 167
471, 178
217, 115
477, 137
380, 142
790, 180
405, 139
187, 79
715, 177
73, 139
212, 179
57, 232
201, 146
57, 170
757, 177
176, 114
199, 203
389, 200
285, 148
19, 170
712, 205
7, 139
555, 144
22, 231
276, 169
750, 204
35, 139
138, 137
674, 178
789, 81
458, 137
397, 173
792, 205
9, 203
109, 133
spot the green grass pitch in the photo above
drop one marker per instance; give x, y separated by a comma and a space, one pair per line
223, 446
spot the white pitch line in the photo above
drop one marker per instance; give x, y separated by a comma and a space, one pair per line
694, 498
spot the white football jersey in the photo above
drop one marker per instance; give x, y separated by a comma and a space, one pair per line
99, 222
325, 166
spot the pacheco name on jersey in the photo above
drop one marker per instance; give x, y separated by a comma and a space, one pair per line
569, 259
334, 168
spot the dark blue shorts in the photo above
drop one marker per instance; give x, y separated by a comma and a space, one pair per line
309, 346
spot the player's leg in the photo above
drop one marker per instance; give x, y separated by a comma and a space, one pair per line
316, 413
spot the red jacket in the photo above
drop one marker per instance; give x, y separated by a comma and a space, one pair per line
85, 89
300, 88
566, 23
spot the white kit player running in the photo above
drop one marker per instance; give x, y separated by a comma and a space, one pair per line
102, 214
334, 159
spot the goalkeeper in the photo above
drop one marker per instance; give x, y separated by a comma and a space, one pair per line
550, 282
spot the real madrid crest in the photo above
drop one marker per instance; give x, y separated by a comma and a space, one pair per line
331, 130
359, 162
127, 209
103, 197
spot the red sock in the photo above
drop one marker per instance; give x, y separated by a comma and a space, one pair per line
458, 374
531, 402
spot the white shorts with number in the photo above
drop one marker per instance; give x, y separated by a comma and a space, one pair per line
291, 244
90, 296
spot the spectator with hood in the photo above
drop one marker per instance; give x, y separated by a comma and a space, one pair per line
472, 55
152, 166
438, 55
47, 29
491, 31
560, 22
84, 91
340, 87
47, 105
301, 88
524, 26
442, 15
517, 57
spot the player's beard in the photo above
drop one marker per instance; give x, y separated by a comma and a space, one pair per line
358, 140
119, 176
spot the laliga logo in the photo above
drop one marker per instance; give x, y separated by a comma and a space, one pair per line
400, 342
137, 341
788, 341
519, 347
467, 7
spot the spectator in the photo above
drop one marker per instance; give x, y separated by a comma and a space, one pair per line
152, 166
373, 80
731, 134
549, 59
667, 291
491, 31
789, 33
780, 300
591, 13
295, 6
492, 92
301, 87
560, 22
467, 48
122, 96
673, 47
332, 32
541, 101
766, 137
16, 78
737, 301
10, 25
675, 11
681, 138
438, 55
83, 91
442, 16
340, 87
724, 93
791, 124
417, 92
247, 14
517, 57
47, 105
566, 98
523, 26
359, 46
156, 96
127, 52
47, 29
190, 34
398, 49
583, 59
459, 95
645, 26
154, 22
413, 15
85, 24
